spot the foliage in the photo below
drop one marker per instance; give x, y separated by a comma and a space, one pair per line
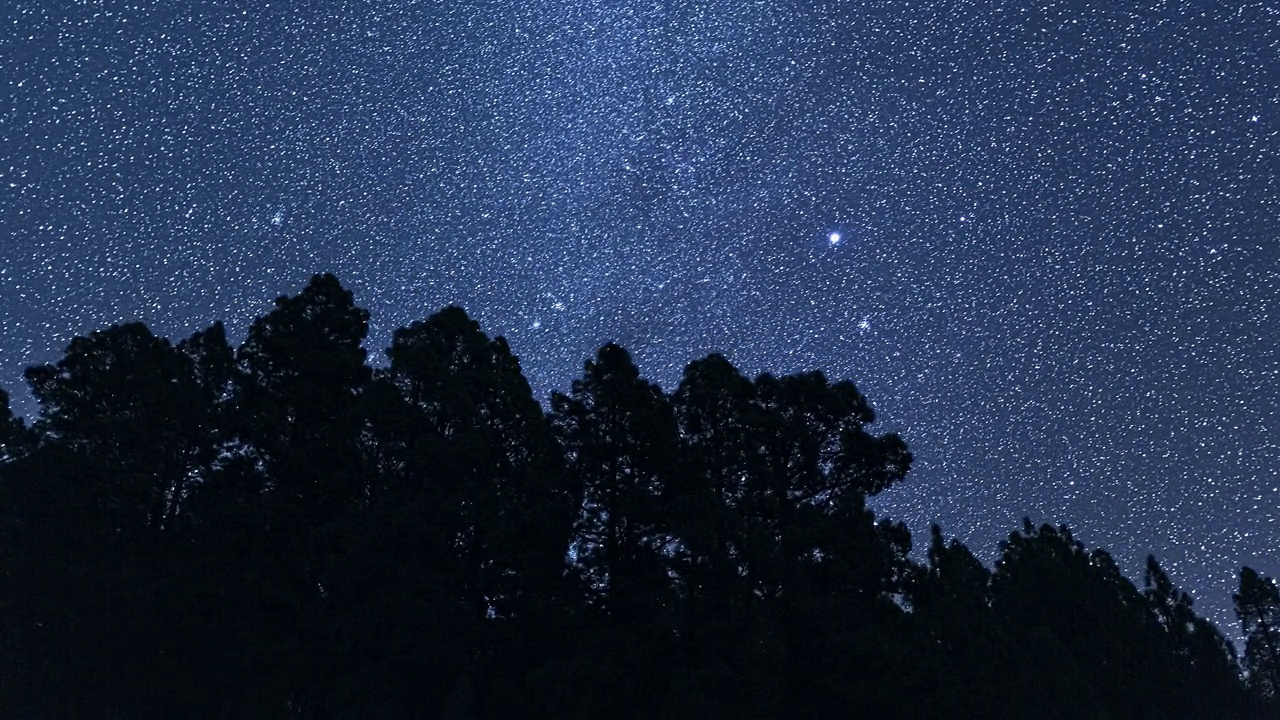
280, 530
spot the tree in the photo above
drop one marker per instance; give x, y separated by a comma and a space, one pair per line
299, 373
781, 552
1202, 670
951, 598
476, 441
733, 650
819, 465
299, 378
619, 438
127, 432
461, 551
129, 401
213, 362
16, 440
1075, 609
1257, 606
282, 531
831, 571
714, 409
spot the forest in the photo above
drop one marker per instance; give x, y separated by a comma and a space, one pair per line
286, 530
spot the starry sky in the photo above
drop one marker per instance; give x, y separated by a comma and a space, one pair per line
1041, 236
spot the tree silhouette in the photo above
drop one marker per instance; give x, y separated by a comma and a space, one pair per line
1202, 672
733, 647
952, 599
16, 440
476, 482
130, 403
299, 373
780, 550
283, 531
619, 438
620, 443
1080, 616
298, 380
1257, 606
485, 451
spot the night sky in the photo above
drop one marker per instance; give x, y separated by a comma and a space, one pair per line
1041, 237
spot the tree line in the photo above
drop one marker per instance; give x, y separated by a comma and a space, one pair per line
281, 530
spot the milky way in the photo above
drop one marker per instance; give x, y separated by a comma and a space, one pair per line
1040, 237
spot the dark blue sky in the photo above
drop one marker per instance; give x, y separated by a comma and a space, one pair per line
1057, 274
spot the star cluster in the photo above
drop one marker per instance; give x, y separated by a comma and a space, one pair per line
1041, 237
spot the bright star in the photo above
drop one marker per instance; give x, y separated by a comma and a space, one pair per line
834, 238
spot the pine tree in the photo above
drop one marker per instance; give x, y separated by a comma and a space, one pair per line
1257, 606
